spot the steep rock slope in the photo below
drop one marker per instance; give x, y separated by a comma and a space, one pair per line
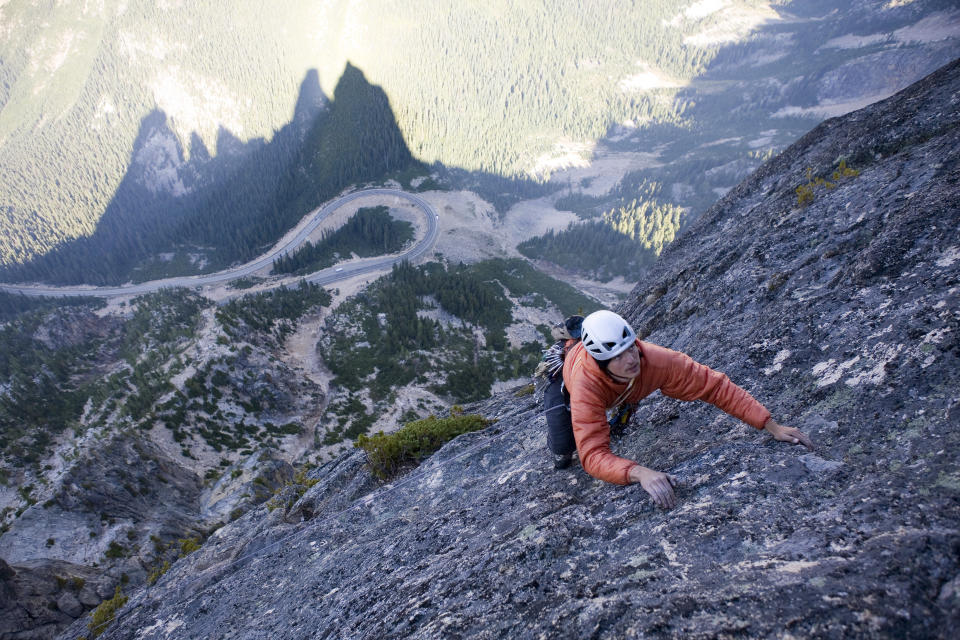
161, 430
840, 313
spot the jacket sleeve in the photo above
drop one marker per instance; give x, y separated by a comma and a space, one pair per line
687, 379
592, 433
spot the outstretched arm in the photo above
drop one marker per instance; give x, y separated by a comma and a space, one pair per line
784, 433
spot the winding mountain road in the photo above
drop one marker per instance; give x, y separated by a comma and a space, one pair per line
322, 277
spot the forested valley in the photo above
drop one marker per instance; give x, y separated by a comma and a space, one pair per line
369, 232
238, 208
188, 200
167, 139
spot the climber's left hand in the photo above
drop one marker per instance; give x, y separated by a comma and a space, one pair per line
784, 433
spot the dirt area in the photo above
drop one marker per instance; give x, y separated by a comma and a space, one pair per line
711, 22
116, 306
471, 230
300, 351
829, 108
592, 169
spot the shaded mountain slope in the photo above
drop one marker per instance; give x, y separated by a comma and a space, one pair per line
839, 313
228, 204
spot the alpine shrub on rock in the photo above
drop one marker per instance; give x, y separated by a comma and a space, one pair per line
389, 454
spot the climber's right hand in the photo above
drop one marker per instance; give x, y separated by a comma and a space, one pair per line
658, 484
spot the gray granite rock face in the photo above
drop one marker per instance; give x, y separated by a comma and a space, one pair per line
111, 523
841, 315
39, 598
123, 494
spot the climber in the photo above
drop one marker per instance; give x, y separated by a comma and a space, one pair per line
609, 368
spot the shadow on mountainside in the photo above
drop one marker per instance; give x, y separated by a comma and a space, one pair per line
164, 194
229, 206
178, 215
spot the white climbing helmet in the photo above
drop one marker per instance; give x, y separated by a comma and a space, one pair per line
606, 335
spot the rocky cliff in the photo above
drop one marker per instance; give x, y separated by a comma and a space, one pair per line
828, 284
118, 491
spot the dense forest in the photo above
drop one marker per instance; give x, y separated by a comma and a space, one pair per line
626, 239
442, 326
507, 73
212, 176
243, 208
369, 232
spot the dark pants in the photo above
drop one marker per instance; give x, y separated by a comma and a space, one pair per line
559, 428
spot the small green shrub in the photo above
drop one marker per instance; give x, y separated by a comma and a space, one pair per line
389, 454
525, 390
103, 615
285, 498
843, 171
188, 546
805, 192
300, 478
804, 195
156, 572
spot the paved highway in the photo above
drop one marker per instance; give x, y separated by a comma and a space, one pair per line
322, 277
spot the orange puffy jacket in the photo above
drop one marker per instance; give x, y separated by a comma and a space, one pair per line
675, 374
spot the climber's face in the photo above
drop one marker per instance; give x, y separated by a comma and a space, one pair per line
627, 364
